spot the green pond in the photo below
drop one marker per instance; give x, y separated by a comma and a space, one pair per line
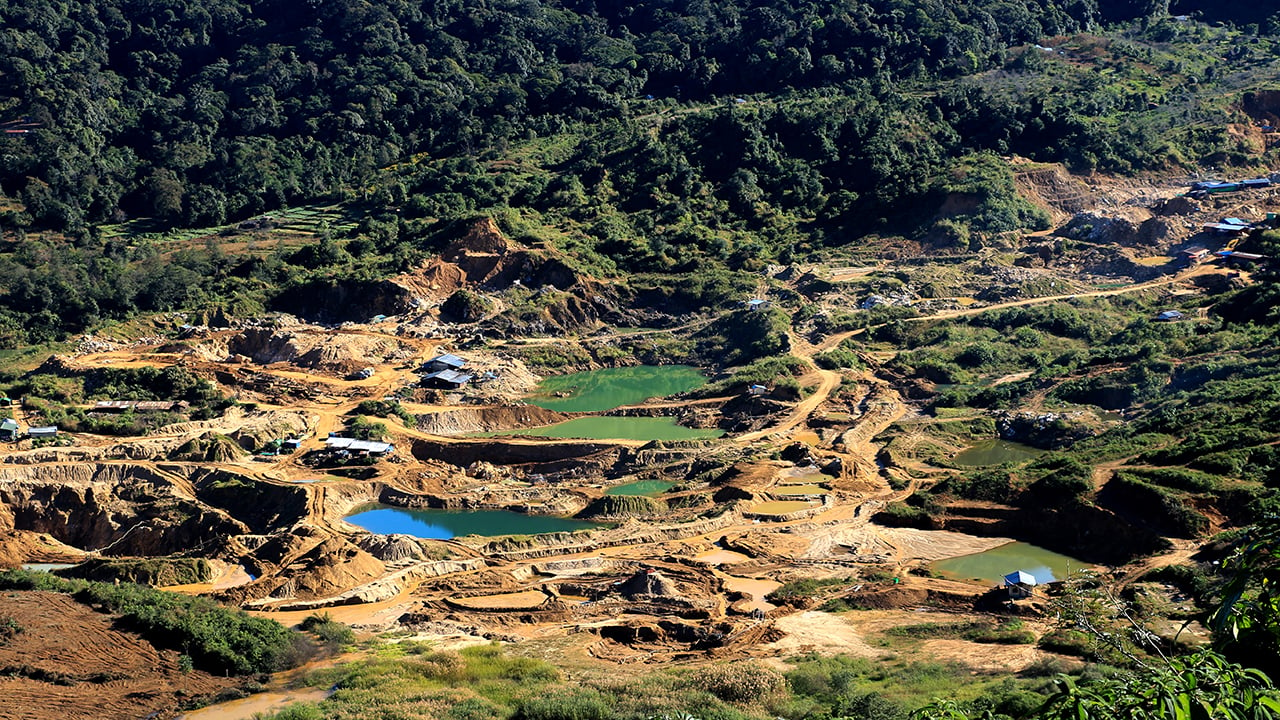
994, 564
599, 390
994, 452
641, 487
444, 524
623, 428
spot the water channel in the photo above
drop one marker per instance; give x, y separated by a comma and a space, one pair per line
599, 390
445, 524
994, 564
994, 452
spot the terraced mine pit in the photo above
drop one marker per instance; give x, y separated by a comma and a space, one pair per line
653, 534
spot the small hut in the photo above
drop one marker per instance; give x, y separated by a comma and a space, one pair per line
1020, 584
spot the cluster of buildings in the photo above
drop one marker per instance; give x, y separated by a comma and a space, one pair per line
1213, 187
11, 431
446, 372
346, 447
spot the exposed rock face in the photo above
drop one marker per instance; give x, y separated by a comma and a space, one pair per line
115, 509
456, 422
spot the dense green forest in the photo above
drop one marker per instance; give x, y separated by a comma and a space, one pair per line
196, 112
649, 137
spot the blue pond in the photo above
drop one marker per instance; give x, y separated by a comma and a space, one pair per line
445, 524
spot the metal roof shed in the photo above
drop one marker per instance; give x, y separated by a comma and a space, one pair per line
1020, 577
447, 360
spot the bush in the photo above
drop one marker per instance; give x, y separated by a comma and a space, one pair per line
333, 634
743, 682
567, 704
387, 408
362, 428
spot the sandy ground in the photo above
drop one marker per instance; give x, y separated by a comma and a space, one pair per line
822, 632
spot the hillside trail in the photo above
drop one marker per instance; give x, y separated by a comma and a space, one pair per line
828, 381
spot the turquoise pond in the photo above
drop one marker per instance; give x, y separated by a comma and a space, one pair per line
994, 452
641, 487
599, 390
445, 524
994, 564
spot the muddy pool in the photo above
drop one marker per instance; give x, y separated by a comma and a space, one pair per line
994, 452
992, 565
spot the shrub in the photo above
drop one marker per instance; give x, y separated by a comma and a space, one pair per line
333, 634
744, 682
575, 704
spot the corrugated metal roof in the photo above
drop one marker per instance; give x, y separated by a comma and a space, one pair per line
448, 359
343, 443
449, 376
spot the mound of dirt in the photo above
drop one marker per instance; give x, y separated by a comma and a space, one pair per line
482, 256
335, 352
649, 582
209, 447
318, 566
391, 548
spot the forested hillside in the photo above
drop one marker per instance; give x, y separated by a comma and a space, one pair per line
199, 112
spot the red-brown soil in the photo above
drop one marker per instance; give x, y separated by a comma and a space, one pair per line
68, 661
